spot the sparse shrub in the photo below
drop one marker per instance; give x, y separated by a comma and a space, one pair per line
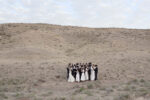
135, 81
123, 97
76, 86
41, 80
38, 99
109, 90
72, 98
102, 88
147, 84
57, 76
90, 86
132, 81
47, 94
119, 89
17, 95
3, 89
113, 86
59, 98
12, 82
142, 80
127, 88
2, 83
81, 89
50, 93
142, 89
144, 93
88, 93
133, 88
2, 95
62, 98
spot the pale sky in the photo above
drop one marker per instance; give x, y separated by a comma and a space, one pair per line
89, 13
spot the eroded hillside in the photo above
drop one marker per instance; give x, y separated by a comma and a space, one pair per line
33, 58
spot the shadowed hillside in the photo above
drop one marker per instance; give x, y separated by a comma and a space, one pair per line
37, 51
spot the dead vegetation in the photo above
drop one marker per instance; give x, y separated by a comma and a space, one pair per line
33, 59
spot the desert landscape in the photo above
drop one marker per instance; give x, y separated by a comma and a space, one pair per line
34, 57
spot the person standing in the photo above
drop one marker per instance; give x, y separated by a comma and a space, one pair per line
96, 71
86, 73
83, 74
71, 78
78, 76
74, 72
89, 70
69, 65
67, 73
92, 73
80, 71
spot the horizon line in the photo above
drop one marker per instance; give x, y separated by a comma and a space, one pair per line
82, 26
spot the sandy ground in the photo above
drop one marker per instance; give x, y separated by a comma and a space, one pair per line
33, 60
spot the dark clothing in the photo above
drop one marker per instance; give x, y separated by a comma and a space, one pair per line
89, 73
96, 72
74, 72
80, 73
67, 73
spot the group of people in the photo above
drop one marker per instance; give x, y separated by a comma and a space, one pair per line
80, 72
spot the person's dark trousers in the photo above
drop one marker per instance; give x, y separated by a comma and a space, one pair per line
80, 73
96, 72
67, 73
74, 73
89, 74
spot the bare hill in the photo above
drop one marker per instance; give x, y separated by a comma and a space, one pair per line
41, 52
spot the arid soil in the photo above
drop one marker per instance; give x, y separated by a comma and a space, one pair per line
34, 57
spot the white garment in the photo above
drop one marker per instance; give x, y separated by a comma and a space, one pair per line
71, 78
92, 74
83, 76
86, 75
77, 77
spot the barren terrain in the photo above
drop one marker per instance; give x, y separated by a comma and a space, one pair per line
34, 57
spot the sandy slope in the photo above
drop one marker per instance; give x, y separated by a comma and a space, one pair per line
33, 58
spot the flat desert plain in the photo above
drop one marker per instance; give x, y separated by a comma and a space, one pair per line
34, 57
